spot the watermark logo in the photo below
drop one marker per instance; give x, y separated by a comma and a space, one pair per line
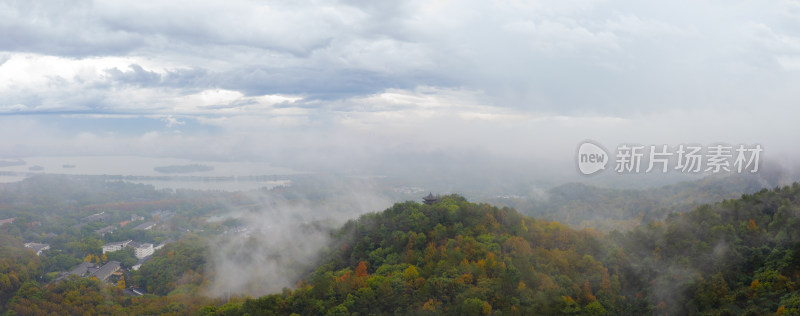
686, 158
591, 158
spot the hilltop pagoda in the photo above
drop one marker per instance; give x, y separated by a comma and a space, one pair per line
430, 199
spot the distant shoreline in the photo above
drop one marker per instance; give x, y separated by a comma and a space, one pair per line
11, 163
184, 168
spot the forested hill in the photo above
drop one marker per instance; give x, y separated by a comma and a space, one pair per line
736, 257
454, 258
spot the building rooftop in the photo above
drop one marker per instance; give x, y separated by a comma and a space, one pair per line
106, 270
88, 269
102, 216
144, 226
140, 244
119, 243
82, 269
105, 230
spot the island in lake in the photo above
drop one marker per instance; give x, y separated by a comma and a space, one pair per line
183, 168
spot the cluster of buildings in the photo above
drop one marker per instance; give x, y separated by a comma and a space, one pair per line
148, 225
157, 216
142, 251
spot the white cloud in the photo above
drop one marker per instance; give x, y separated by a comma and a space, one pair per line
172, 121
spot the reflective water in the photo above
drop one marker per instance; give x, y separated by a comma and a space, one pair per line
225, 176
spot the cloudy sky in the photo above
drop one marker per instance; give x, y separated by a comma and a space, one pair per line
382, 85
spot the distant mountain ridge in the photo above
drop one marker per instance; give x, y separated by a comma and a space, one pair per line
606, 209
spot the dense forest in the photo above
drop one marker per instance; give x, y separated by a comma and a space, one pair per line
453, 257
735, 257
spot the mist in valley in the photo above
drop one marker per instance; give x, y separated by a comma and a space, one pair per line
277, 241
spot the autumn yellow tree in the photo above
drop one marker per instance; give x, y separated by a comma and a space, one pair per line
752, 226
121, 283
410, 273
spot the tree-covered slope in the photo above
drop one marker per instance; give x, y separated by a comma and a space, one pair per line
738, 256
456, 258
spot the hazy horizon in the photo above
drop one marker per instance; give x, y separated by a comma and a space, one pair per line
441, 91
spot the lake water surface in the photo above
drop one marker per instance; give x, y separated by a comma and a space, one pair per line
225, 176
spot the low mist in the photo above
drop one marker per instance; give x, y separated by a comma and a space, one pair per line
279, 239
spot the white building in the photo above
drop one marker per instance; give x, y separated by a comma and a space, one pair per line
116, 246
142, 250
